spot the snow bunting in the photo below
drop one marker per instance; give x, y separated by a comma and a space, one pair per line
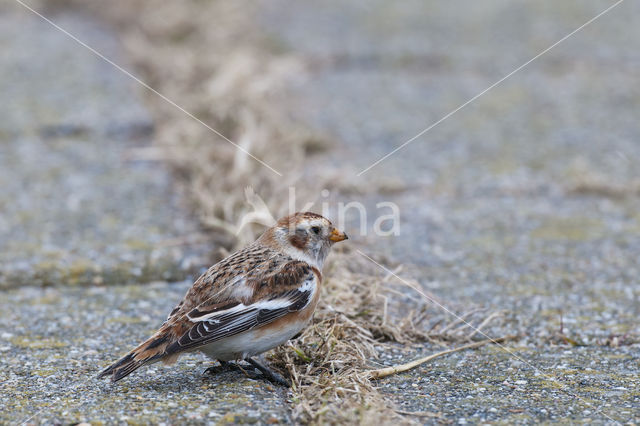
248, 303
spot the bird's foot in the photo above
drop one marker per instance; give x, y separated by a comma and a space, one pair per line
222, 368
265, 372
268, 374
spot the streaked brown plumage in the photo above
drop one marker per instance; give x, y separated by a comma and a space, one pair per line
253, 300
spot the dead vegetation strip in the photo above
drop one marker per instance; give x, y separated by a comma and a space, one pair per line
209, 59
331, 363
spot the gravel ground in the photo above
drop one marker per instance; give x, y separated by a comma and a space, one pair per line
55, 341
526, 201
591, 384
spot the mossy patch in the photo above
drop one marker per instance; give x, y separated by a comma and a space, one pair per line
125, 320
137, 244
36, 343
575, 229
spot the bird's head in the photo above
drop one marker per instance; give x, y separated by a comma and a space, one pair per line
305, 236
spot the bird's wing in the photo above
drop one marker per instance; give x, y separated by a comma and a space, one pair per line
219, 284
289, 289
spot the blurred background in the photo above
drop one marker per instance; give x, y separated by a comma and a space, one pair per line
522, 205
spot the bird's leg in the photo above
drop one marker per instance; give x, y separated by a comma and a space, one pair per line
223, 367
272, 376
227, 366
232, 366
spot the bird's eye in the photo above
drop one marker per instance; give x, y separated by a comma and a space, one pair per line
315, 230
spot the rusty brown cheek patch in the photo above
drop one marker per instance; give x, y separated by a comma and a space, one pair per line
298, 241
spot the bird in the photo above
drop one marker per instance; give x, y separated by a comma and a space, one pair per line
248, 303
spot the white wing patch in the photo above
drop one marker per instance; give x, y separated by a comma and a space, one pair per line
308, 285
266, 304
241, 290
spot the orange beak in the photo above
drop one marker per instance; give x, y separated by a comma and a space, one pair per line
336, 236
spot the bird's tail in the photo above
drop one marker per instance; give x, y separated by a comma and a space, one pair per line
150, 351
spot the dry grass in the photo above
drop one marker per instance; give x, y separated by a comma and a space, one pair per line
330, 363
584, 180
207, 57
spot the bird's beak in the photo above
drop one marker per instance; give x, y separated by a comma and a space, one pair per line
336, 236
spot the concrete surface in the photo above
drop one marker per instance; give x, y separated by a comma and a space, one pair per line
55, 341
79, 203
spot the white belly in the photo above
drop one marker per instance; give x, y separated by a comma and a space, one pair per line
250, 343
